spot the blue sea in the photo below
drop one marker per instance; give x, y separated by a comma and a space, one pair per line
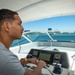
64, 37
61, 37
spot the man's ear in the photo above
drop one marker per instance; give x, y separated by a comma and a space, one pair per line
6, 26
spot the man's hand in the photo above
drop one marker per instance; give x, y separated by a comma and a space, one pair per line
32, 60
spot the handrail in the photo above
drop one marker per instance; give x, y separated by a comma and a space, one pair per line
27, 38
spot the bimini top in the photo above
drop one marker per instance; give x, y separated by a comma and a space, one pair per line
30, 10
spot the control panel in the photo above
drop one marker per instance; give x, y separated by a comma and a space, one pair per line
57, 62
50, 57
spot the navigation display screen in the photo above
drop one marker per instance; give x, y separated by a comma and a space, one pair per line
44, 56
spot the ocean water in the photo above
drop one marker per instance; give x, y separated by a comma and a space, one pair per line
68, 37
63, 37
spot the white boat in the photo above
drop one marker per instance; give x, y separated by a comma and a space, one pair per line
44, 41
61, 53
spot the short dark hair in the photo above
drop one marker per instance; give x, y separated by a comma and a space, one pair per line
7, 15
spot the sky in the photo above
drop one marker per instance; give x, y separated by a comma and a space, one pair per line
61, 23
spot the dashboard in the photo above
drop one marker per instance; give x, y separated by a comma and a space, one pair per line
50, 57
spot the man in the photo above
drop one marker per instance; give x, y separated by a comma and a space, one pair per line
10, 30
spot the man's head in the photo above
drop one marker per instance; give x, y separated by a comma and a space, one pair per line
6, 15
10, 23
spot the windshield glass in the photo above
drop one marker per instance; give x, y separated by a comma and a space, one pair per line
63, 37
48, 36
61, 29
38, 36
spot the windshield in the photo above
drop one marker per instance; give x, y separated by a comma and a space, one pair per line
61, 29
38, 36
44, 37
48, 36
